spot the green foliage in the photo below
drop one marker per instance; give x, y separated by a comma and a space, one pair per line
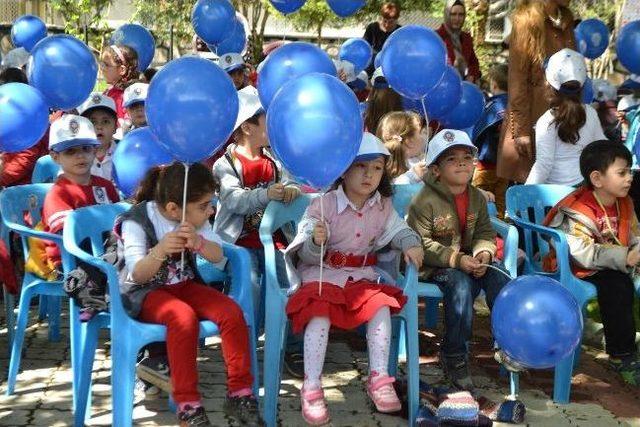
78, 13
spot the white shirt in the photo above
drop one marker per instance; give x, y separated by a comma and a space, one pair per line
136, 247
558, 162
104, 168
409, 177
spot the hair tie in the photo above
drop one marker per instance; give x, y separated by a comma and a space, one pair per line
396, 138
118, 52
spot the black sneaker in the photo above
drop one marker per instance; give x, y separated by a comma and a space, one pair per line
294, 364
193, 417
244, 410
155, 372
456, 371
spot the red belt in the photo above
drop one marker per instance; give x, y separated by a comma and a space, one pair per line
338, 259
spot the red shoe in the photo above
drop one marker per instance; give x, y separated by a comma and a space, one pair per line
314, 407
380, 390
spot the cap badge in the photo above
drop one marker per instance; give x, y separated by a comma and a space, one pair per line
137, 91
228, 59
449, 137
96, 99
74, 126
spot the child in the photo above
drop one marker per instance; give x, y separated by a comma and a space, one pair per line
359, 220
101, 110
602, 232
72, 142
568, 126
401, 133
249, 179
156, 289
133, 102
234, 65
486, 136
450, 215
119, 65
382, 100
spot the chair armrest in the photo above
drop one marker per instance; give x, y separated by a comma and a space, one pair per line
510, 236
409, 281
241, 287
26, 231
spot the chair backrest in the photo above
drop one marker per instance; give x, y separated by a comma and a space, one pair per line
530, 204
46, 170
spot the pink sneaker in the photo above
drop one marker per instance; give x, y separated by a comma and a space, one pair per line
314, 407
380, 390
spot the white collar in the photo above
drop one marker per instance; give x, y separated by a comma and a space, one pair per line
342, 201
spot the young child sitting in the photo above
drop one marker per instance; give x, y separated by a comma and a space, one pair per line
602, 232
359, 220
157, 288
101, 111
450, 215
134, 98
73, 143
402, 134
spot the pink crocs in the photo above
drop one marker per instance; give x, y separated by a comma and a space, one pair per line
380, 390
314, 407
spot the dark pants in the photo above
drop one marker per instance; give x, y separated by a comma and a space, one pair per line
615, 298
459, 290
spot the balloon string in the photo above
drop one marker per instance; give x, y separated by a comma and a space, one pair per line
184, 212
321, 247
497, 269
424, 110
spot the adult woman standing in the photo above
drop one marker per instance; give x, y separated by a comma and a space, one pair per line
460, 53
378, 32
540, 28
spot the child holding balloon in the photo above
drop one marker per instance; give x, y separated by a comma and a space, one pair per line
344, 229
158, 288
119, 65
101, 111
402, 134
602, 232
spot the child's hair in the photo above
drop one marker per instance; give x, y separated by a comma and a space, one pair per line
149, 73
13, 75
599, 155
568, 111
164, 184
123, 55
384, 188
254, 120
499, 73
393, 129
381, 102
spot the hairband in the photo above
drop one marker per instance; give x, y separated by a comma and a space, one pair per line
118, 52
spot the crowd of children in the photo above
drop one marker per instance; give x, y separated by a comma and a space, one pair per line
447, 233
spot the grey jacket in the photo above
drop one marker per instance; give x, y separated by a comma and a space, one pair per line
235, 201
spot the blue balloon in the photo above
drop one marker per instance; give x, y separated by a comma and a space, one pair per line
140, 39
64, 70
592, 37
536, 321
587, 91
358, 52
236, 41
28, 30
287, 6
212, 20
138, 152
315, 128
191, 107
288, 63
414, 60
468, 110
414, 105
344, 8
628, 47
25, 117
377, 61
446, 95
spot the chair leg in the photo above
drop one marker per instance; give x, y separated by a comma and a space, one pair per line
18, 339
562, 380
431, 312
10, 316
42, 307
398, 344
82, 391
275, 333
123, 372
413, 357
53, 313
514, 385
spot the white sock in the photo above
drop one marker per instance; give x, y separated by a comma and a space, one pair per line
379, 341
316, 337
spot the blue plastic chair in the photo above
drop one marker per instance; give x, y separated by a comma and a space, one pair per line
45, 170
276, 215
128, 335
527, 206
14, 202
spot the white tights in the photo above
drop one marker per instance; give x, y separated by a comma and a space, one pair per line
316, 336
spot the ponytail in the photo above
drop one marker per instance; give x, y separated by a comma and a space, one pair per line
568, 112
147, 188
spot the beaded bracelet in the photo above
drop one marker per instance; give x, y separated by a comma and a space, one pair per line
154, 256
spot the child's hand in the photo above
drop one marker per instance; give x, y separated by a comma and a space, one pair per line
320, 233
414, 255
420, 169
633, 257
171, 243
290, 194
483, 258
468, 264
488, 195
188, 232
276, 192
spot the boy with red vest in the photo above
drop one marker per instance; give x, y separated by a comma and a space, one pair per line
603, 235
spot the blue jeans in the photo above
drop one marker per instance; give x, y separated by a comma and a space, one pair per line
459, 290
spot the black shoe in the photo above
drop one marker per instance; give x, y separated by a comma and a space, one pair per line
456, 370
294, 364
191, 417
155, 373
244, 410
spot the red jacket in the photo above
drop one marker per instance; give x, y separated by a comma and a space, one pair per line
473, 66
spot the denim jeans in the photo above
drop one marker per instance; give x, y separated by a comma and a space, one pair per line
459, 290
